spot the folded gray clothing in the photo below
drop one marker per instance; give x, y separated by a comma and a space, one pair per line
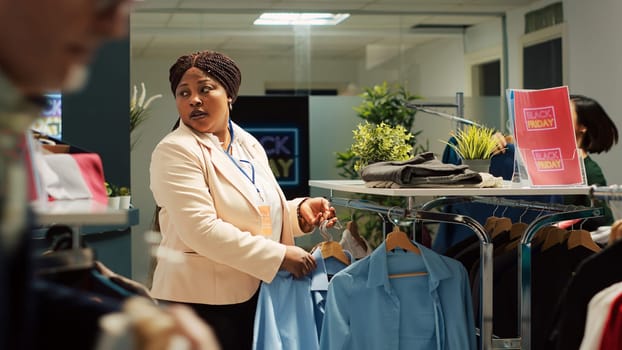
423, 168
468, 179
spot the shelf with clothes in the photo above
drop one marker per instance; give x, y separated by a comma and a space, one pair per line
482, 195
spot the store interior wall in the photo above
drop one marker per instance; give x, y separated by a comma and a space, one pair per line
436, 70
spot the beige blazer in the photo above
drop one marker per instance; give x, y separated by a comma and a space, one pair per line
210, 218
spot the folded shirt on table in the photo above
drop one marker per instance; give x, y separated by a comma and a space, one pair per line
424, 170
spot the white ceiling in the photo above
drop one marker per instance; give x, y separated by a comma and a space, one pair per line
159, 27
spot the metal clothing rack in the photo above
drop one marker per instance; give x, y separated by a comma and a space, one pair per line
486, 248
612, 192
459, 106
485, 196
562, 212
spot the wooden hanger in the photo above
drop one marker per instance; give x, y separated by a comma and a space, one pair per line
540, 235
582, 238
490, 223
554, 237
517, 230
332, 249
398, 239
502, 225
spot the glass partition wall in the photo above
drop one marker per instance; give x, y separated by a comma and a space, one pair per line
434, 55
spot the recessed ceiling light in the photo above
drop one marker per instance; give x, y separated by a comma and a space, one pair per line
290, 18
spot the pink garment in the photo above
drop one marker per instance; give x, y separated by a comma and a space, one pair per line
611, 339
73, 176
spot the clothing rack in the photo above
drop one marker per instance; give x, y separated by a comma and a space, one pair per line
562, 212
612, 192
486, 248
459, 106
524, 261
423, 213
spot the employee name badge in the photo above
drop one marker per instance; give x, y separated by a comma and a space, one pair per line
266, 223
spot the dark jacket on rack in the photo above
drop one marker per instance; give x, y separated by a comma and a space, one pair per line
592, 275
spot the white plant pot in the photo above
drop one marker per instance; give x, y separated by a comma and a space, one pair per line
113, 202
124, 202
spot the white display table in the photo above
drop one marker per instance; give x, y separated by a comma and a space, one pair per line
78, 213
508, 189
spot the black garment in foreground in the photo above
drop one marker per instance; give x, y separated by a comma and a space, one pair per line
232, 324
592, 275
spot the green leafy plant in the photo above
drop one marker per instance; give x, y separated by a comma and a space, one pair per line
382, 103
381, 142
124, 191
474, 142
111, 190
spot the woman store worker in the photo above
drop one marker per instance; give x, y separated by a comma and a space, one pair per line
595, 132
220, 205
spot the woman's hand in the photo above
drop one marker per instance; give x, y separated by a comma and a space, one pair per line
313, 211
298, 261
502, 142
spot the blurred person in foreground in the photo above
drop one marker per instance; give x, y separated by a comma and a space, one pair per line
46, 46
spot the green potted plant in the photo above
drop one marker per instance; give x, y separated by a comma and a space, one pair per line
384, 105
475, 145
124, 197
113, 195
118, 196
380, 142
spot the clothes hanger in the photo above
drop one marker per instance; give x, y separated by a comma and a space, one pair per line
554, 237
62, 256
541, 235
489, 225
75, 267
502, 224
399, 239
582, 238
518, 228
330, 248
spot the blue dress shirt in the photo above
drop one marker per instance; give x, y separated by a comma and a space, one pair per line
319, 283
290, 311
367, 310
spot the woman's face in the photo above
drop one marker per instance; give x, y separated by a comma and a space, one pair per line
202, 103
579, 129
